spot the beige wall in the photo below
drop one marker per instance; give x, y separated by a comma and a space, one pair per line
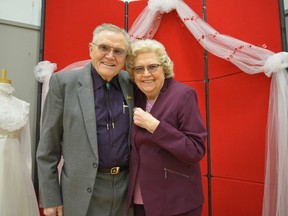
19, 53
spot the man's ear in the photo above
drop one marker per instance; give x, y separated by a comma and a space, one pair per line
90, 48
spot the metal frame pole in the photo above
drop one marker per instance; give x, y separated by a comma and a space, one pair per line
283, 26
39, 94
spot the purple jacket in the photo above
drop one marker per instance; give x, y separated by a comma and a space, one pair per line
167, 161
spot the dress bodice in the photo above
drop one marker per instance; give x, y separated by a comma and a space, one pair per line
17, 195
14, 113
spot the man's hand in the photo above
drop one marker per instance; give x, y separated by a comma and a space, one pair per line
55, 211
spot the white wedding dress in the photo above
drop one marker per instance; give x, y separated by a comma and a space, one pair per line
17, 195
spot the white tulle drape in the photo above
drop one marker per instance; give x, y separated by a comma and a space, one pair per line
276, 177
250, 59
43, 71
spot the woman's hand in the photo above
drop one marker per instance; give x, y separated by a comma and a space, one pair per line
145, 120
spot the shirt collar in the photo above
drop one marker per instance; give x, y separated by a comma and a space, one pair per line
98, 82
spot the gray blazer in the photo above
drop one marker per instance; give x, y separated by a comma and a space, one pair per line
69, 129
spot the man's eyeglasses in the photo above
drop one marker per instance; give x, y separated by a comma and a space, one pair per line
151, 68
106, 49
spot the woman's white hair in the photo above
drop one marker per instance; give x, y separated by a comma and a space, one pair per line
146, 46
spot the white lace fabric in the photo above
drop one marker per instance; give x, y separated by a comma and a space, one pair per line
14, 113
17, 192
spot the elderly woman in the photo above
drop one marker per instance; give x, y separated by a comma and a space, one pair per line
167, 137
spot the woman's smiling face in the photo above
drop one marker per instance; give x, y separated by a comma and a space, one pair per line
150, 83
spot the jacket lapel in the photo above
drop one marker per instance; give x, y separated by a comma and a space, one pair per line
86, 98
127, 90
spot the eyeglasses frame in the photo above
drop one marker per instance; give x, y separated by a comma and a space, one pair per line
151, 68
123, 52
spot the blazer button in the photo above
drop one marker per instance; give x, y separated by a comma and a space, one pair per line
89, 190
94, 165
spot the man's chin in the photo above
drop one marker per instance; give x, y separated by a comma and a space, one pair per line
107, 74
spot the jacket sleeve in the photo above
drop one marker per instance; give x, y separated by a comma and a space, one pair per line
49, 148
184, 135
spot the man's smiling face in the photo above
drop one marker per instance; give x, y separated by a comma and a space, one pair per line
108, 61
